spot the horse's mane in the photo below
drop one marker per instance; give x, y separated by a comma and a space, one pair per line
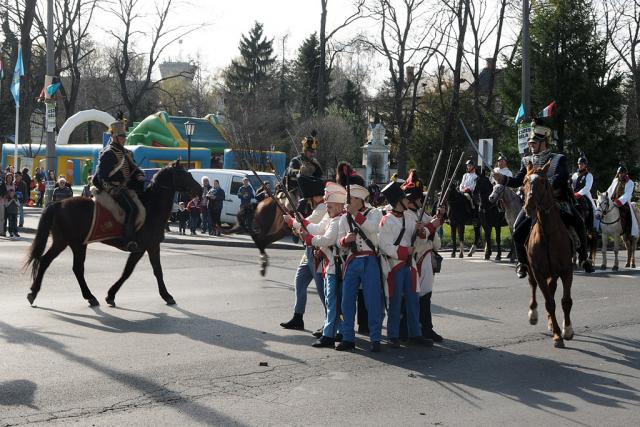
153, 185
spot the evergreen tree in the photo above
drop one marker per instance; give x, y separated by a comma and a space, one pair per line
569, 66
306, 69
254, 67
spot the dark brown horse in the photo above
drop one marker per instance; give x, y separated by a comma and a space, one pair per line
549, 251
459, 216
69, 222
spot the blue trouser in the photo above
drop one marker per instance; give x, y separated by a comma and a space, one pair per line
305, 273
332, 323
362, 270
206, 221
21, 213
403, 287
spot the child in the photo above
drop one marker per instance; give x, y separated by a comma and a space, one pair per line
194, 208
183, 217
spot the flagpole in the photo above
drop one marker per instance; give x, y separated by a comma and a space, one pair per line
15, 140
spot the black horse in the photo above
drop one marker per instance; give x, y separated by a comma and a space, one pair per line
585, 209
69, 222
459, 215
489, 215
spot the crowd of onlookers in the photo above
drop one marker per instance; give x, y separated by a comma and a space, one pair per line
18, 189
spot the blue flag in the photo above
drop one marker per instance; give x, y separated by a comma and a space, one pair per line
17, 73
520, 114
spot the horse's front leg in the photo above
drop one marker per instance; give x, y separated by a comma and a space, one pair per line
498, 243
616, 248
154, 258
487, 242
547, 289
567, 303
453, 240
133, 259
79, 256
461, 233
605, 242
533, 304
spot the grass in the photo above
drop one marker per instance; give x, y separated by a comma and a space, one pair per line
505, 237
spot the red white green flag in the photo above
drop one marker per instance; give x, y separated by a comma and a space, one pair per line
549, 110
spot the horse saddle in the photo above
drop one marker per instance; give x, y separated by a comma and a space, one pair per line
108, 217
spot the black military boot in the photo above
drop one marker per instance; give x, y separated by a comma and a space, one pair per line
324, 342
129, 232
425, 319
295, 323
346, 346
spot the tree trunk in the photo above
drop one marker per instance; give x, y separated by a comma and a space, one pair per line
323, 56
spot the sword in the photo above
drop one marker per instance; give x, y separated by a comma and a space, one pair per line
268, 190
475, 147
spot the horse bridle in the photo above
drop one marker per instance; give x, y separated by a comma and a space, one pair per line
604, 213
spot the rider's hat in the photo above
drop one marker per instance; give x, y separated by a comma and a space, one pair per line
621, 169
501, 156
539, 132
310, 186
310, 143
393, 193
582, 159
470, 162
117, 129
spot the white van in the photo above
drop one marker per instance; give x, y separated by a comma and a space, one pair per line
230, 181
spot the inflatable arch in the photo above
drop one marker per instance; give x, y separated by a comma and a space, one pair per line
79, 118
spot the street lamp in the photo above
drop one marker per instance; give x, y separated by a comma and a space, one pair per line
189, 128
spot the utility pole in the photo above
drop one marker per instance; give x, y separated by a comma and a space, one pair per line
51, 137
526, 61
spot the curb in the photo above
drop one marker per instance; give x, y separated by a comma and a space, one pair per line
28, 233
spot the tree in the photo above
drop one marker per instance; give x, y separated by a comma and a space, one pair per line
134, 70
570, 66
306, 69
409, 38
254, 67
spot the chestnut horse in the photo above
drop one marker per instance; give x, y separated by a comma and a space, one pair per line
69, 222
549, 251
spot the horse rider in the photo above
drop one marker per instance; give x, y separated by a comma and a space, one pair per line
620, 192
304, 164
117, 173
558, 174
501, 166
468, 183
581, 183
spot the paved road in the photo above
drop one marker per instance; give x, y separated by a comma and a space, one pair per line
145, 363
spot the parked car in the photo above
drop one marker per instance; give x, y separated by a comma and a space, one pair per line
230, 181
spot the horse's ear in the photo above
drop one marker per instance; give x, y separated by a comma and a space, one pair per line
546, 167
176, 164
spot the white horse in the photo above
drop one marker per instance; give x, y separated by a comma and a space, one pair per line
506, 197
609, 215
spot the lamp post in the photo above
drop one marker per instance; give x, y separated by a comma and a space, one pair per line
189, 128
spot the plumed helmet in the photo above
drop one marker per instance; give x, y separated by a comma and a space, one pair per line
540, 132
393, 193
117, 129
413, 187
311, 186
310, 143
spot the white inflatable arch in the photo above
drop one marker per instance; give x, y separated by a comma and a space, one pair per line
79, 118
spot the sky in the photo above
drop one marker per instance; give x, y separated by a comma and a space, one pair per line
217, 43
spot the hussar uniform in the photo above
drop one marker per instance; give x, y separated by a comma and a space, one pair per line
361, 269
581, 183
620, 192
324, 236
468, 184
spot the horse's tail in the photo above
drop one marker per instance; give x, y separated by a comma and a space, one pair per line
36, 250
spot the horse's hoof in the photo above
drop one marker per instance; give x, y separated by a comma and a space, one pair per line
567, 333
603, 267
627, 265
487, 257
498, 258
453, 254
93, 302
558, 343
461, 255
110, 301
263, 271
170, 301
533, 317
614, 268
31, 297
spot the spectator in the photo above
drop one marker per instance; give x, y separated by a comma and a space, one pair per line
194, 207
40, 175
22, 195
183, 217
51, 176
62, 191
41, 189
28, 179
216, 200
11, 204
206, 218
245, 193
86, 190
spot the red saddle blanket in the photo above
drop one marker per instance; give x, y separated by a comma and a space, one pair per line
104, 226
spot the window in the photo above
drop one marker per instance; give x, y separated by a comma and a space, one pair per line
236, 183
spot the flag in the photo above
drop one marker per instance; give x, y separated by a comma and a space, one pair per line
548, 111
17, 73
520, 114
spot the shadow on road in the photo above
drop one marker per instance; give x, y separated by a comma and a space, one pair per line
200, 328
17, 393
149, 388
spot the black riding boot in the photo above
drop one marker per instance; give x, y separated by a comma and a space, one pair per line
575, 220
129, 233
425, 319
521, 230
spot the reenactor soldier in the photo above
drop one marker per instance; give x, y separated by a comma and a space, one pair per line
620, 192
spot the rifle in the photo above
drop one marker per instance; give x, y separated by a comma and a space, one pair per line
446, 172
444, 195
347, 175
426, 197
288, 196
266, 187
